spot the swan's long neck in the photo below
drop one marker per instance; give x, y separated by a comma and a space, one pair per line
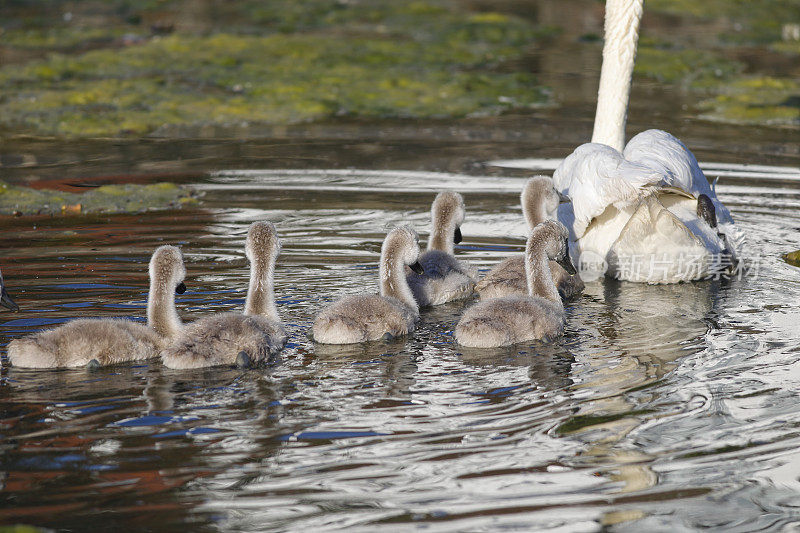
162, 315
393, 279
260, 293
540, 277
619, 54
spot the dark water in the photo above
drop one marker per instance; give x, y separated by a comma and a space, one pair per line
661, 408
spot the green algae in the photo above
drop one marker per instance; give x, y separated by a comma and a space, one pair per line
421, 60
756, 100
793, 258
729, 95
697, 69
755, 21
65, 37
127, 198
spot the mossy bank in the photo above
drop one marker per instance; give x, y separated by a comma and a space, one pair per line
388, 60
110, 199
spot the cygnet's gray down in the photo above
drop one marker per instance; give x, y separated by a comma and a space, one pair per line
247, 339
368, 317
445, 277
105, 341
539, 315
539, 201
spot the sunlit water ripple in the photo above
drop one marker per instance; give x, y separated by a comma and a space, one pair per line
663, 407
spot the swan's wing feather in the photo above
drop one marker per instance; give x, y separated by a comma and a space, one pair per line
596, 176
665, 153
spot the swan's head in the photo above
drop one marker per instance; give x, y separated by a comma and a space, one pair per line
551, 237
706, 210
447, 211
5, 299
540, 199
263, 244
167, 270
402, 243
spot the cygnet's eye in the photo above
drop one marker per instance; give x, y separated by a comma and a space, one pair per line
181, 288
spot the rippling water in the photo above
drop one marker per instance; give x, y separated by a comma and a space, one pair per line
662, 407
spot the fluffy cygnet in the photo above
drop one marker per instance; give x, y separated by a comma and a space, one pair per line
105, 341
368, 317
445, 278
232, 338
539, 314
539, 202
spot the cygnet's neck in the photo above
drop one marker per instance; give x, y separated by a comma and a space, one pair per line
162, 315
442, 236
540, 277
260, 293
533, 207
393, 278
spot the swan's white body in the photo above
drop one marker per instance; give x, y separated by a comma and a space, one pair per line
634, 210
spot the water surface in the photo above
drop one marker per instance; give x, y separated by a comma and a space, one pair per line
662, 407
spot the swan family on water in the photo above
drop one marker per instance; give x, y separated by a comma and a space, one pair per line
520, 298
622, 207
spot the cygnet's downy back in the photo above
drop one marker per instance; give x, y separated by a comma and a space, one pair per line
539, 315
539, 200
245, 340
369, 317
104, 341
445, 278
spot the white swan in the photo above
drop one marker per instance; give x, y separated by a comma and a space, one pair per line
369, 317
445, 278
537, 315
5, 298
636, 211
97, 341
539, 201
233, 338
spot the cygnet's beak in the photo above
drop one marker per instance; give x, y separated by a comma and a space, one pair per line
563, 198
6, 301
416, 267
566, 262
457, 238
180, 289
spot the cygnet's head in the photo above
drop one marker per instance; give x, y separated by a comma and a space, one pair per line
540, 199
402, 242
448, 210
166, 267
263, 244
5, 299
706, 210
552, 237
